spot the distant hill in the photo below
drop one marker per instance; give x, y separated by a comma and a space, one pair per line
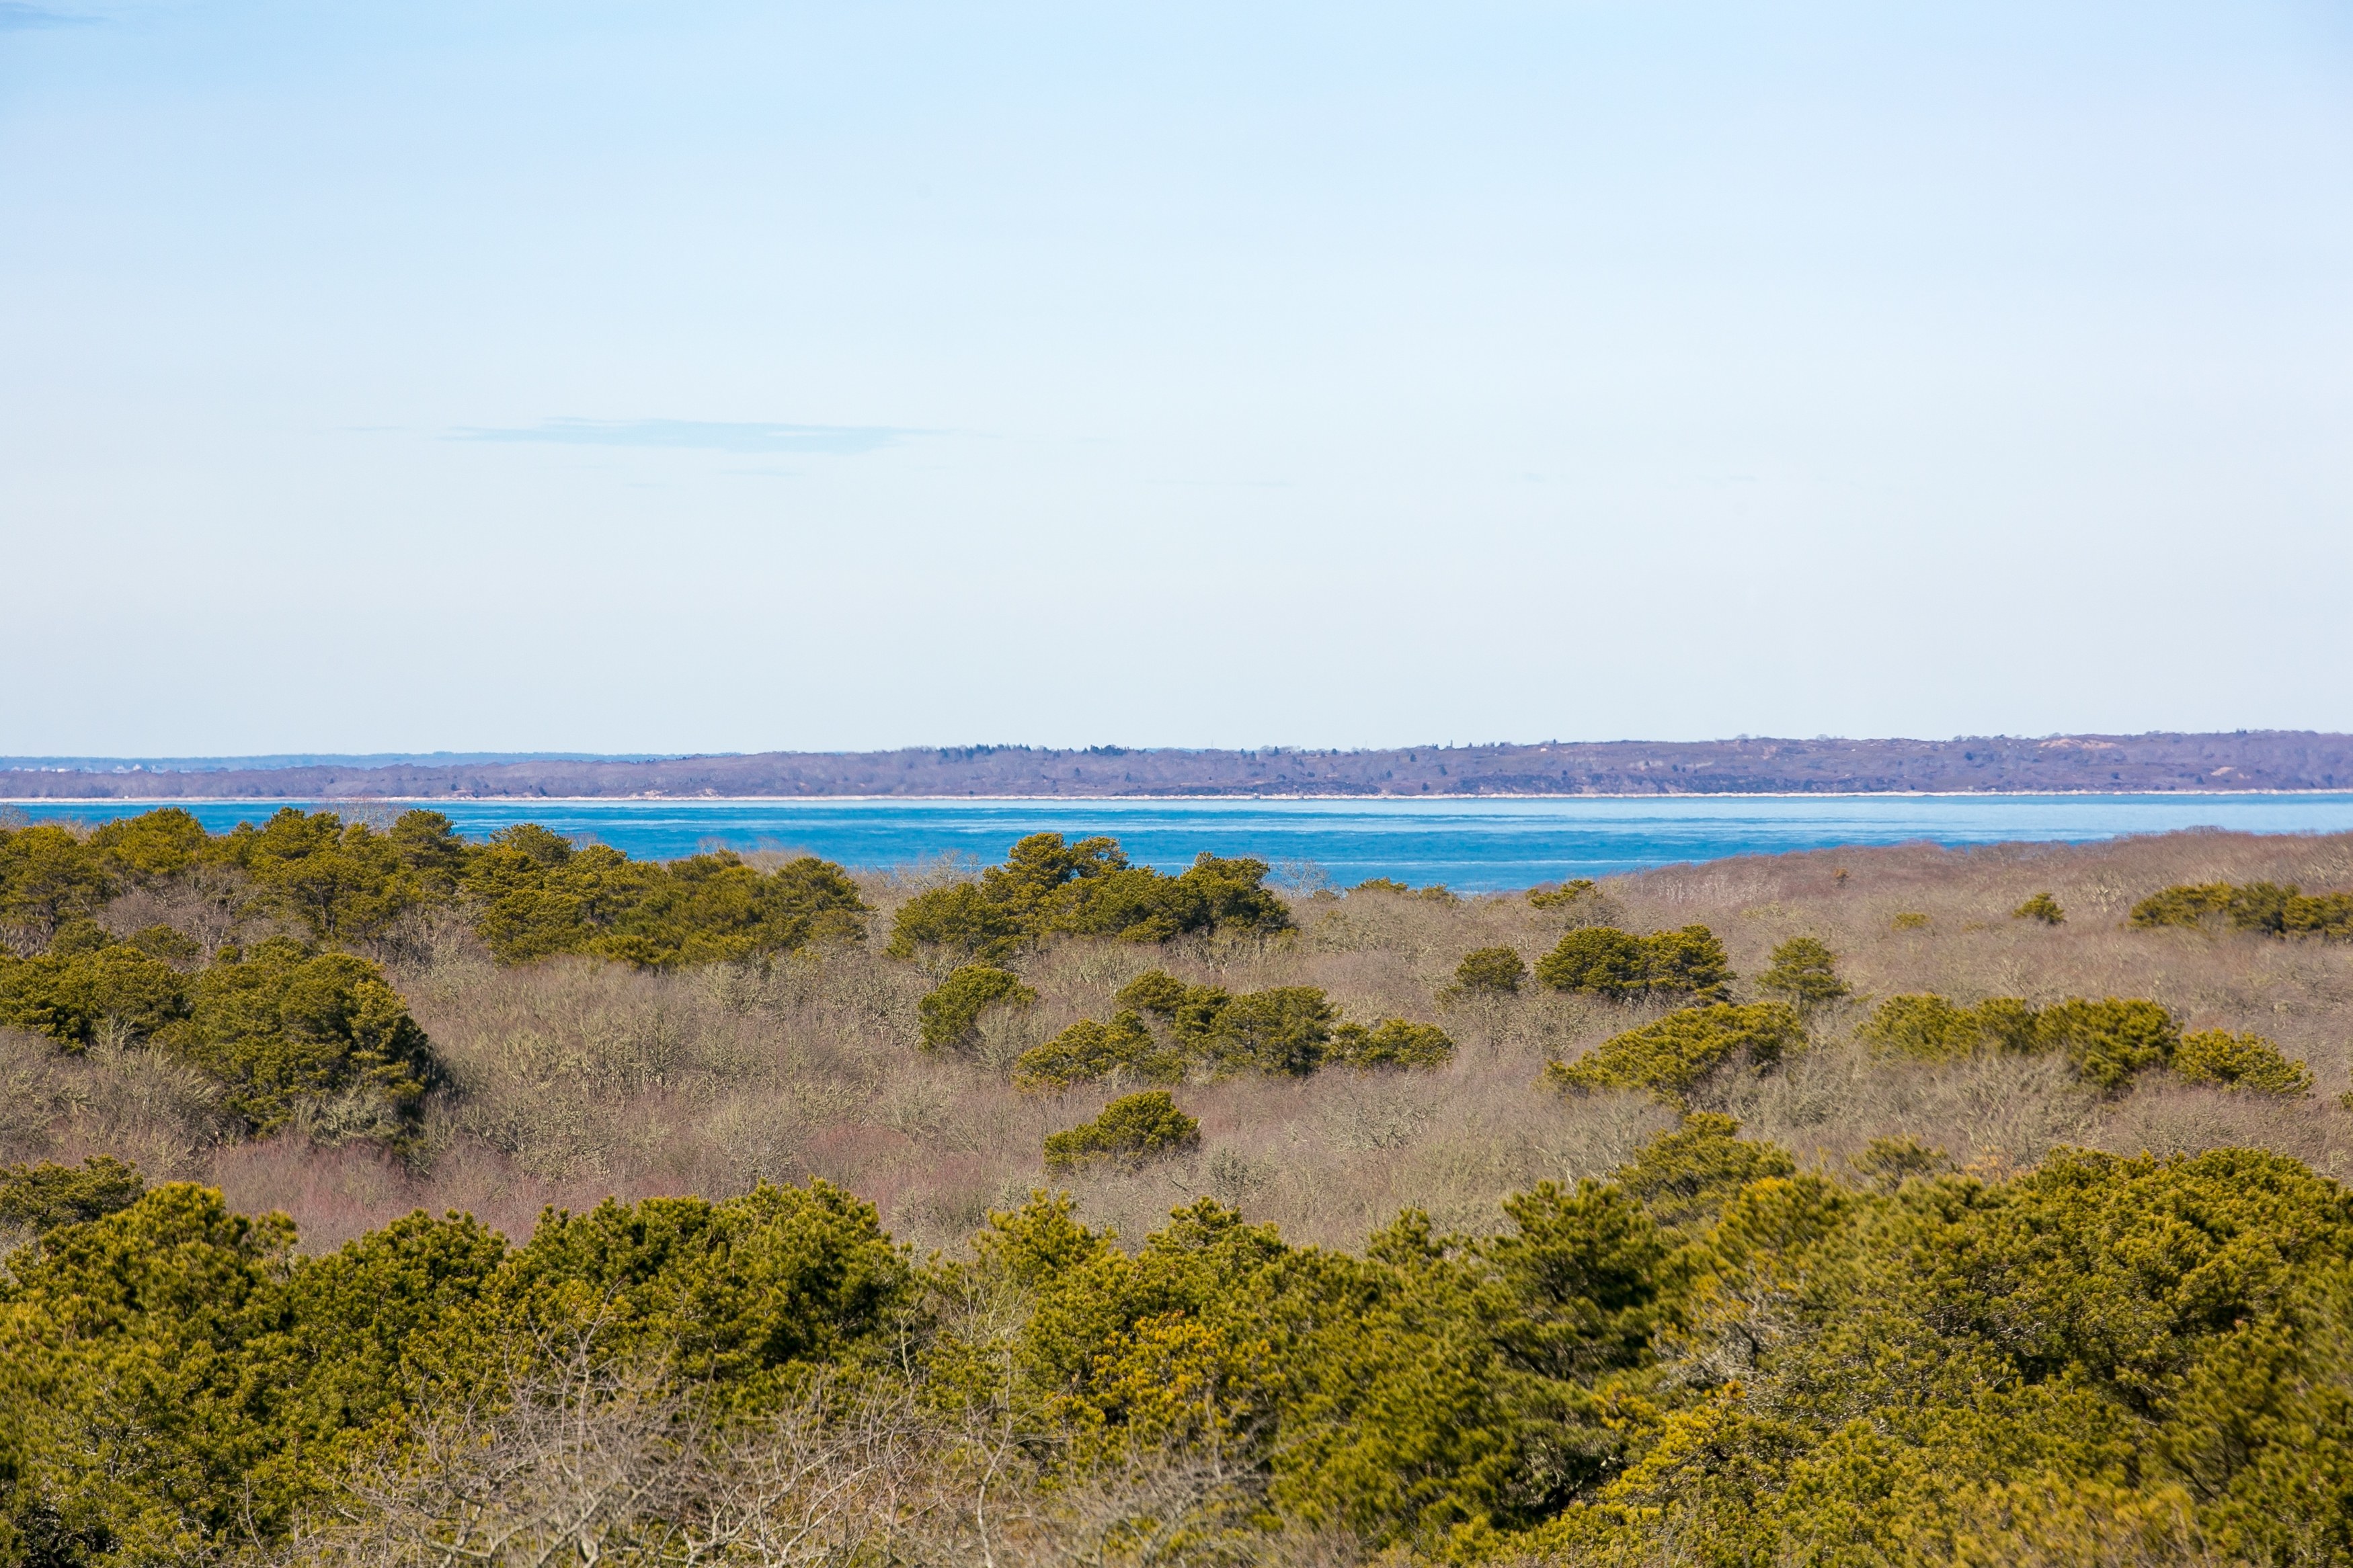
2249, 760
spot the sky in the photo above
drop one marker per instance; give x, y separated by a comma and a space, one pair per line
711, 377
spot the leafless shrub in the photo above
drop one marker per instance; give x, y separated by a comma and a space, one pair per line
573, 1458
572, 1080
129, 1101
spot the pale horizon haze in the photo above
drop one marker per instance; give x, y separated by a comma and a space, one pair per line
728, 377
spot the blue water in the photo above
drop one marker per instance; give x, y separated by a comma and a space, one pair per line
1472, 845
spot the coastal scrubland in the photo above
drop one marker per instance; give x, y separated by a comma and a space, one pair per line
1863, 1205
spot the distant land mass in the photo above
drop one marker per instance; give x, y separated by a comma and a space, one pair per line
2247, 760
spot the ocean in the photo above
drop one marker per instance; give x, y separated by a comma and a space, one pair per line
1475, 845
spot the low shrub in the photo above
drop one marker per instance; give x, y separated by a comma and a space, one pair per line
1049, 886
1209, 1031
1688, 1175
1133, 1128
1392, 1043
83, 993
1804, 973
1436, 893
2041, 907
952, 1010
2240, 1062
1931, 1028
1888, 1163
1669, 1055
1490, 970
1088, 1051
282, 1025
2271, 908
1283, 1029
44, 1196
1570, 894
1605, 962
2107, 1041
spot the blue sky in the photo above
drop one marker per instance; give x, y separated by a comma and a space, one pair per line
725, 377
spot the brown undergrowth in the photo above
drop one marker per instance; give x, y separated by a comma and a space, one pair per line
571, 1079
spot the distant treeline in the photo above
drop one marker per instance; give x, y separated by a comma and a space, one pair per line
2266, 759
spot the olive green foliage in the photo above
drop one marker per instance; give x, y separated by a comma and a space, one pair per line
1889, 1163
1804, 973
281, 1026
44, 1196
2107, 1041
539, 895
1602, 961
1131, 1128
1490, 970
1669, 1055
530, 893
1713, 1357
48, 877
1207, 1031
2266, 906
1049, 887
1909, 919
1569, 895
2238, 1061
1391, 1043
2041, 907
952, 1009
181, 1383
1690, 1173
1087, 1051
78, 992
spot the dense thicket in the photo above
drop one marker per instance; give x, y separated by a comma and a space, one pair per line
527, 892
1166, 1031
1048, 887
1712, 1359
2280, 909
266, 997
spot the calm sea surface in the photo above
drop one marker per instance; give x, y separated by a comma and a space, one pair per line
1471, 844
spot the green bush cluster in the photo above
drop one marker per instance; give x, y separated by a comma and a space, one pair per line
1436, 893
2240, 1062
1669, 1055
2268, 907
1211, 1032
1602, 961
1131, 1129
1048, 887
1804, 973
2041, 907
1490, 972
182, 1381
528, 893
44, 1196
1573, 893
951, 1011
2107, 1041
1712, 1359
281, 1026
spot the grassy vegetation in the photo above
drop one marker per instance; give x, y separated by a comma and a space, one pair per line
1893, 1205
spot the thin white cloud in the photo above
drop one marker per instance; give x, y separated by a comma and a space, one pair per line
16, 17
701, 434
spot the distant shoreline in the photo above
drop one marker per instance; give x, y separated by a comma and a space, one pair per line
1160, 799
2241, 763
